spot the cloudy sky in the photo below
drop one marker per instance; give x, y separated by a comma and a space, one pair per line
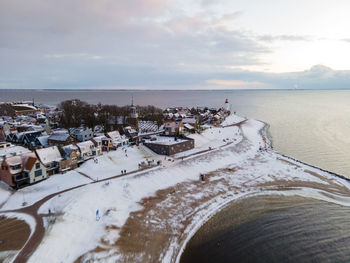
174, 44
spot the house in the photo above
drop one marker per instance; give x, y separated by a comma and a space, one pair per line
50, 157
105, 143
191, 121
60, 139
117, 139
70, 157
27, 138
97, 141
131, 132
88, 150
82, 134
12, 171
173, 128
11, 135
33, 168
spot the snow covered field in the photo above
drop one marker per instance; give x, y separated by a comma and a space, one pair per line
232, 119
111, 163
4, 193
56, 183
213, 138
94, 215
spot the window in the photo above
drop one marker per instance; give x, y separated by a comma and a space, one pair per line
37, 166
38, 173
15, 167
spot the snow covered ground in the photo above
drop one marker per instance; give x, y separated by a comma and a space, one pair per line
56, 183
93, 216
212, 138
4, 193
232, 119
111, 163
115, 201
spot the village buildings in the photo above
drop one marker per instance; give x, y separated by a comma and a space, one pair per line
31, 148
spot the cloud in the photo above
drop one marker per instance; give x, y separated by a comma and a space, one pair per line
82, 40
138, 43
271, 38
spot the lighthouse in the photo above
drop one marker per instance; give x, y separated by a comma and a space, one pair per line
227, 106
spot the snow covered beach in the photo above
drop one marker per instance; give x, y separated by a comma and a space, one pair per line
148, 216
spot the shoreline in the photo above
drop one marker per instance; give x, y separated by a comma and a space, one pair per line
204, 219
173, 248
172, 212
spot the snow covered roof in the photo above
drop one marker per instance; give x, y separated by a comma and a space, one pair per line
49, 155
172, 124
85, 147
68, 149
59, 137
146, 126
114, 135
189, 120
43, 140
98, 138
164, 140
188, 126
80, 130
12, 150
14, 160
25, 105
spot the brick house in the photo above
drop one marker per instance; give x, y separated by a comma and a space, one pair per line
173, 128
70, 157
12, 171
60, 139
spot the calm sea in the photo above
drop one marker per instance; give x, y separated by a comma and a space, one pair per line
273, 229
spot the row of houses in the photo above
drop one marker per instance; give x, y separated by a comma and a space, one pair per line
20, 166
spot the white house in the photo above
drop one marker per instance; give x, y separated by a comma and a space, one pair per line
82, 134
50, 157
88, 150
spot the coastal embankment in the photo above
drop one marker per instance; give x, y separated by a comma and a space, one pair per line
160, 230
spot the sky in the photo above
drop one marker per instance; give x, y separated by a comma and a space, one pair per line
174, 44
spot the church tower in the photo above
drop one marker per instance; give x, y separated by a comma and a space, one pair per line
134, 117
